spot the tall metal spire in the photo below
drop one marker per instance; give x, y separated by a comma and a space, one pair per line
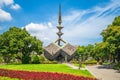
59, 33
60, 16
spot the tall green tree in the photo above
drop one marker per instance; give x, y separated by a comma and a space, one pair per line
84, 52
80, 52
18, 40
100, 51
112, 36
89, 51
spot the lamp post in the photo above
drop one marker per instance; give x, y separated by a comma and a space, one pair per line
80, 64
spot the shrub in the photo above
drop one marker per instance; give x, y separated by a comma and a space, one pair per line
7, 58
90, 62
117, 66
42, 59
1, 59
87, 62
25, 59
50, 62
75, 62
35, 59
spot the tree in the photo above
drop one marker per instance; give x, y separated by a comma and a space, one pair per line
18, 40
31, 44
35, 59
89, 50
85, 52
100, 51
116, 21
112, 36
80, 52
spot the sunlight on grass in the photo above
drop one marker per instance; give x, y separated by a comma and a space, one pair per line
6, 78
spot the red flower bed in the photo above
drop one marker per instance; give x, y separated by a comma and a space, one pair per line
26, 75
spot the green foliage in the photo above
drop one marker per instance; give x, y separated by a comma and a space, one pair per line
87, 62
35, 59
116, 21
90, 62
111, 35
80, 52
8, 57
6, 78
84, 52
117, 66
18, 40
42, 59
89, 51
50, 62
26, 59
1, 59
100, 51
108, 49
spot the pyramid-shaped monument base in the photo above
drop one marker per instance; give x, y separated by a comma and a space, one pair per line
59, 53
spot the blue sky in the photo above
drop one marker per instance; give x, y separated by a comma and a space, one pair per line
83, 20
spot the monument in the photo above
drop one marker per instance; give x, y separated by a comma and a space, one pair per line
60, 50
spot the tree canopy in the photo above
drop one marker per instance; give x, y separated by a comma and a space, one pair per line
18, 40
111, 35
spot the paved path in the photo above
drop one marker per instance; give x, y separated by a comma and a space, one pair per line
73, 67
102, 73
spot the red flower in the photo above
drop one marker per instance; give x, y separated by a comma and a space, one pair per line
27, 75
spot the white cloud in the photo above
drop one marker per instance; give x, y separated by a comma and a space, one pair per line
45, 38
50, 24
42, 31
81, 27
5, 16
6, 2
10, 3
15, 6
34, 27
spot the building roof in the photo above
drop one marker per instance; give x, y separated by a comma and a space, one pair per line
69, 49
52, 48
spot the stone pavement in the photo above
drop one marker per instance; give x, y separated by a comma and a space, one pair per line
103, 73
73, 67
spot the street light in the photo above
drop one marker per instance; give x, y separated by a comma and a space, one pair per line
80, 64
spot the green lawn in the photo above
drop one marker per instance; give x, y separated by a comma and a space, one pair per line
62, 68
6, 78
83, 66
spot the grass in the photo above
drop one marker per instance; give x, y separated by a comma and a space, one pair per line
6, 78
83, 66
61, 68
